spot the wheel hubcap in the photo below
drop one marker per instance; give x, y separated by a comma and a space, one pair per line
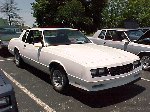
17, 58
57, 78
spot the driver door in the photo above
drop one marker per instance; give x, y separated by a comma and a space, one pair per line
30, 51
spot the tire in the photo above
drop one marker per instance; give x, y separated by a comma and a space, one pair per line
17, 59
145, 61
59, 80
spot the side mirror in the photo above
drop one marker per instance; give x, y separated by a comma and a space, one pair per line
38, 45
125, 41
134, 40
101, 36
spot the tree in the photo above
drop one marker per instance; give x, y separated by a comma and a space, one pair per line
93, 9
72, 14
82, 14
9, 8
45, 11
117, 11
139, 10
113, 13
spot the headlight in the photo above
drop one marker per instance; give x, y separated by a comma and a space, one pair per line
4, 101
136, 64
99, 72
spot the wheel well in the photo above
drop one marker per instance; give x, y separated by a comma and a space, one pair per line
141, 54
56, 65
15, 49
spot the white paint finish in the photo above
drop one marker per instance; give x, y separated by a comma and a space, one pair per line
76, 59
9, 59
90, 55
31, 95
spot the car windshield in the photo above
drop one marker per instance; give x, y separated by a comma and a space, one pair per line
64, 36
134, 35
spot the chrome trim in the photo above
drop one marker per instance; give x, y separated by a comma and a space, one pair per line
34, 61
115, 77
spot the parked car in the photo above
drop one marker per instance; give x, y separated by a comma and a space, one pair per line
7, 95
70, 58
144, 29
131, 40
6, 35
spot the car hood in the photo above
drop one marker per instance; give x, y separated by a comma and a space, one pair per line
92, 55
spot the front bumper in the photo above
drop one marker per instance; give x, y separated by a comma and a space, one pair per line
107, 83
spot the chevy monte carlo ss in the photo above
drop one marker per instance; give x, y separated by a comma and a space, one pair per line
70, 58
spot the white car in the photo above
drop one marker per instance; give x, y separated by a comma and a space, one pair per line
70, 58
131, 40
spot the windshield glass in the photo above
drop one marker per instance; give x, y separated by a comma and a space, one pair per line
134, 34
63, 37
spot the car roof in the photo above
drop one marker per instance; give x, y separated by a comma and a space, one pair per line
120, 29
51, 29
144, 28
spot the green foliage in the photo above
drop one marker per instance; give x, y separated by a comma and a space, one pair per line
45, 11
117, 11
72, 13
81, 14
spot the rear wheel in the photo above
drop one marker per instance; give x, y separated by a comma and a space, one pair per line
59, 80
145, 61
17, 59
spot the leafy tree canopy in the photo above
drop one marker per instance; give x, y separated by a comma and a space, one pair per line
72, 14
81, 14
117, 11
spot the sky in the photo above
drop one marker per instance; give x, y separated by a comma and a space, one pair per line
25, 11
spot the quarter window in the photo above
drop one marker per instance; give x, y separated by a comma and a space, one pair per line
102, 34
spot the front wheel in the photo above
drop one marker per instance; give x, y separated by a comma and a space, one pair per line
145, 61
59, 80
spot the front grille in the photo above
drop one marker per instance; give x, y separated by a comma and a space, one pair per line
121, 69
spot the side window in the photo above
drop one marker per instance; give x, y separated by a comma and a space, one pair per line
122, 36
109, 35
25, 36
34, 36
116, 36
102, 34
30, 37
37, 36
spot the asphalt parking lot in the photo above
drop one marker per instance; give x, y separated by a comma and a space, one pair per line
35, 94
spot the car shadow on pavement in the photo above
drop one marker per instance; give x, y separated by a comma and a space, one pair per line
36, 72
5, 53
108, 97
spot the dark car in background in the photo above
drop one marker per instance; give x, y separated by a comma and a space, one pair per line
6, 35
7, 95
